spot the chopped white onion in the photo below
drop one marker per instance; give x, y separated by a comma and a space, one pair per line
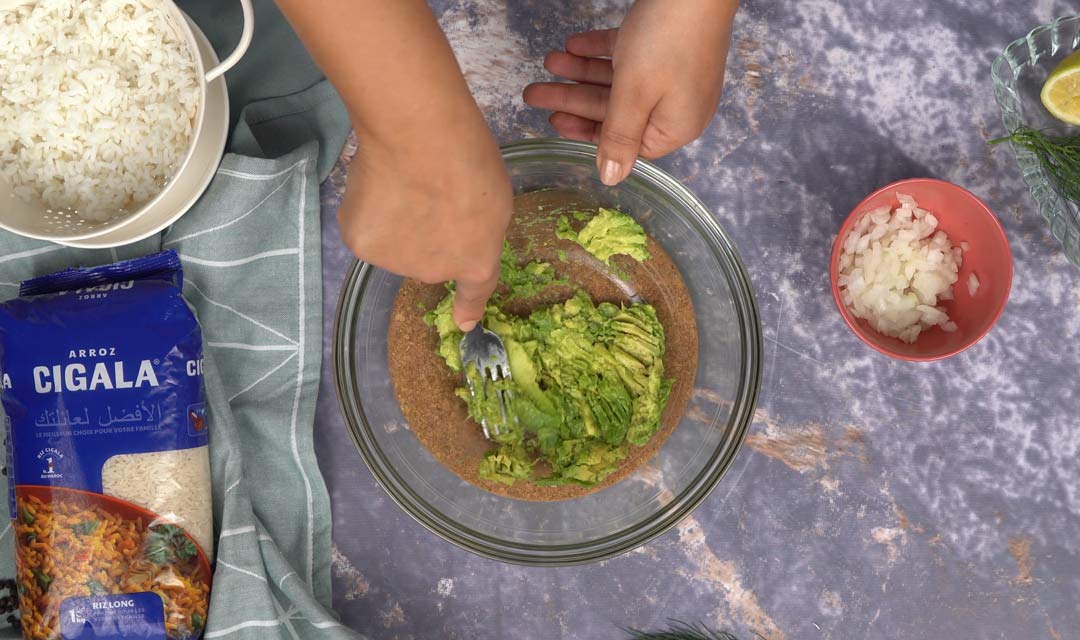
973, 285
896, 266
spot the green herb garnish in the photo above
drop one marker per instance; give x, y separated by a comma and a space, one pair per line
1059, 158
196, 621
167, 544
27, 517
680, 631
86, 528
31, 537
96, 588
43, 579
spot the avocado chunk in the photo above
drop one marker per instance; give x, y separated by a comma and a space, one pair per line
609, 233
587, 379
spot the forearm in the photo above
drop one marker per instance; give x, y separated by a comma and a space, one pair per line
728, 9
713, 11
389, 61
725, 14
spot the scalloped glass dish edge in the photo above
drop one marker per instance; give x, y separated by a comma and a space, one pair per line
1043, 41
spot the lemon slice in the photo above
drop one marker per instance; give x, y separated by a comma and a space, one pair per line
1061, 93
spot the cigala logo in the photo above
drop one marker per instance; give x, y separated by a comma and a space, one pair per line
50, 458
80, 377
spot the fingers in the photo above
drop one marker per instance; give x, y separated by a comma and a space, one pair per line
574, 127
470, 301
579, 69
593, 43
585, 100
620, 135
614, 115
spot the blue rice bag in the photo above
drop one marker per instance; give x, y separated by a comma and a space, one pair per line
101, 379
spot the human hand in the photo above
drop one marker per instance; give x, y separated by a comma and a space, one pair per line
657, 92
433, 207
428, 196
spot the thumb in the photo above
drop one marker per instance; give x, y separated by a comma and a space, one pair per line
470, 301
620, 135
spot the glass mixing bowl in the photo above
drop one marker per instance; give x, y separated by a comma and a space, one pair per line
657, 495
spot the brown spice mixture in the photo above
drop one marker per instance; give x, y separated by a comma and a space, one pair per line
425, 387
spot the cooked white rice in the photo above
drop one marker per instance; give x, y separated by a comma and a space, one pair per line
97, 103
173, 484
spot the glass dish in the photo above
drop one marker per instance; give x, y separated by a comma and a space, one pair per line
1019, 74
657, 495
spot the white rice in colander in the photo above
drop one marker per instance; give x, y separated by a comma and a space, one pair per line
97, 103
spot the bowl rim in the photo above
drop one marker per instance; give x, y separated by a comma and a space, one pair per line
698, 488
860, 209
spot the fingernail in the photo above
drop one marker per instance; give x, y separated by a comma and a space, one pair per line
611, 173
467, 326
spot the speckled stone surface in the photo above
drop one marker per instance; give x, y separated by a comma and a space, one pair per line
873, 498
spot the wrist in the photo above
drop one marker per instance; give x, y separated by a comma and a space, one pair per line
710, 11
420, 123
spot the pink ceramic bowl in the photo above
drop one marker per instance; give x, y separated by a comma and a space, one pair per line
964, 218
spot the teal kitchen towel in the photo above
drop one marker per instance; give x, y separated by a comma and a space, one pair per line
278, 97
251, 255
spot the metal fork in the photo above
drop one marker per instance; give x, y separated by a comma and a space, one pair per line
486, 350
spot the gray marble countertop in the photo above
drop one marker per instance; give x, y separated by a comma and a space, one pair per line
874, 498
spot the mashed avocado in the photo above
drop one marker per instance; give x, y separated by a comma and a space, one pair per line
588, 379
524, 281
608, 233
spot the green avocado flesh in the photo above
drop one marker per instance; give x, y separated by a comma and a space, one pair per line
587, 379
608, 233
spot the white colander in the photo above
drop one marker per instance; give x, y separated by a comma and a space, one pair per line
34, 220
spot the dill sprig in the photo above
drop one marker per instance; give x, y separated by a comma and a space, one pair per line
1058, 156
678, 630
